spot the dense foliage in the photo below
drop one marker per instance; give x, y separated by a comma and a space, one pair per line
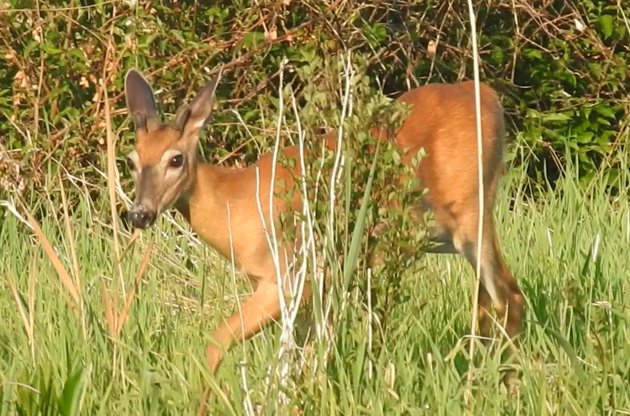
79, 334
561, 67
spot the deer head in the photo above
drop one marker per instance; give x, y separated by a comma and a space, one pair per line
164, 162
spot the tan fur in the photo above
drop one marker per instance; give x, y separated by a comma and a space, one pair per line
442, 121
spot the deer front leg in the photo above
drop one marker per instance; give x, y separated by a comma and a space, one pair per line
262, 307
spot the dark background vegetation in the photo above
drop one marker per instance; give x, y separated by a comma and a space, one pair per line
561, 68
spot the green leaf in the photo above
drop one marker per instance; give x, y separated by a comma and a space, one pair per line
558, 118
357, 232
359, 366
606, 24
69, 400
252, 39
606, 111
375, 34
51, 50
177, 34
584, 137
532, 53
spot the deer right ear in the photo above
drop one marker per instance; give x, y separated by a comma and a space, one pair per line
191, 117
140, 100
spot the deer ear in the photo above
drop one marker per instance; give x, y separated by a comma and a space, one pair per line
140, 100
192, 117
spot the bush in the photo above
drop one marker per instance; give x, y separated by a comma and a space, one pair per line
561, 66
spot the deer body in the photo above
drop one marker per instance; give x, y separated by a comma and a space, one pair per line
222, 193
222, 205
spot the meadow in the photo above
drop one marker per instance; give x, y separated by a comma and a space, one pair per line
95, 320
130, 338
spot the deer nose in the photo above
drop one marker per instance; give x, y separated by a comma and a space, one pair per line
141, 218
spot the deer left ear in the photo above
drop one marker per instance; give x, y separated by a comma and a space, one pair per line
140, 101
192, 117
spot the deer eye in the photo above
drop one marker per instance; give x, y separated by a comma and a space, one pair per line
176, 161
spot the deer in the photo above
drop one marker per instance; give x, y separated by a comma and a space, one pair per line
220, 203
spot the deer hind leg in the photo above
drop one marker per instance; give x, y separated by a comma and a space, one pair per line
438, 236
498, 288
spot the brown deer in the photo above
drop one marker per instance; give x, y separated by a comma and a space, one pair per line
220, 203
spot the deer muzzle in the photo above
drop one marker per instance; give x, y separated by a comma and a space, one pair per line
142, 218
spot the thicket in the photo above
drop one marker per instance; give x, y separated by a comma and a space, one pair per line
560, 66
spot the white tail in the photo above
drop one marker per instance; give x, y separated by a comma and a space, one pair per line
442, 121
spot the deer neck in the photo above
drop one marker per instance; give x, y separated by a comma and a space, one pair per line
211, 202
201, 186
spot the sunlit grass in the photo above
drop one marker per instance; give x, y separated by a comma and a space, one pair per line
568, 250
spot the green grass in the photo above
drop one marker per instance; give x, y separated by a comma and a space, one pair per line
569, 250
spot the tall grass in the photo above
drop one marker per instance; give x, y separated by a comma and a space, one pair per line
140, 350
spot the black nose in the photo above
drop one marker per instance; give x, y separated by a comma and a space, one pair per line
141, 218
